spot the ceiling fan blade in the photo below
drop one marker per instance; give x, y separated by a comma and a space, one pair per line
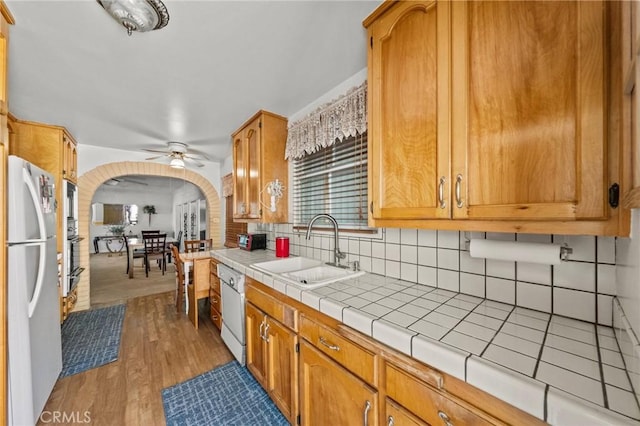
193, 161
156, 157
160, 151
136, 182
197, 157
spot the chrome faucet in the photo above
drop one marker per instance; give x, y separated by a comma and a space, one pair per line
337, 254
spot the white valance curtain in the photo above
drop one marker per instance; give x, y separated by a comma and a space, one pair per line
339, 119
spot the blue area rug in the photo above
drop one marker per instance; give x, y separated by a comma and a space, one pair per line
91, 339
227, 395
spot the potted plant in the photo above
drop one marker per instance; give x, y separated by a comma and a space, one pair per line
117, 230
149, 210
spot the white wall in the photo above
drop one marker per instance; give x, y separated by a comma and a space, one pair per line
628, 273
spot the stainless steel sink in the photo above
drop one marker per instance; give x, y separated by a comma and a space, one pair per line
304, 272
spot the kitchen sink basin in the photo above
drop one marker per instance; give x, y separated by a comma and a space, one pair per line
319, 275
304, 272
286, 265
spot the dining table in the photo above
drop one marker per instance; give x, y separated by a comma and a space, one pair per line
138, 243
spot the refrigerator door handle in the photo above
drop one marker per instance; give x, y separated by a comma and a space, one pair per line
40, 277
26, 176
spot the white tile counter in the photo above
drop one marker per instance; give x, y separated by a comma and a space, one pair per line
561, 370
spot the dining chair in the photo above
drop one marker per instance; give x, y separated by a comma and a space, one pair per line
155, 248
150, 232
177, 261
191, 246
176, 243
137, 254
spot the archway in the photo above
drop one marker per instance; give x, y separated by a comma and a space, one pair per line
89, 182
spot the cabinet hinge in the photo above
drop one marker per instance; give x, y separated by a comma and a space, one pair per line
371, 42
371, 207
614, 195
297, 347
260, 124
298, 419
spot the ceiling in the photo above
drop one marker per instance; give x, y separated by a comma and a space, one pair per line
195, 81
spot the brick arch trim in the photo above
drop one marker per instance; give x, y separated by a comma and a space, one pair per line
90, 181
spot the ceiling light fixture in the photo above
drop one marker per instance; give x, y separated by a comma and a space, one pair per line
177, 163
137, 15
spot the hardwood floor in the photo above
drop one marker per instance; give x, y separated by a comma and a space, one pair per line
110, 284
158, 348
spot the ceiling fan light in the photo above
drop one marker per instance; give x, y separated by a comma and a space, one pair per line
137, 15
177, 163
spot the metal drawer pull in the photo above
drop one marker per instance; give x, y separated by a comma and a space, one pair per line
367, 407
459, 202
391, 422
445, 418
329, 345
261, 333
441, 192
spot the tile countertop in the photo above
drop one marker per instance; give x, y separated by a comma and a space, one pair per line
561, 370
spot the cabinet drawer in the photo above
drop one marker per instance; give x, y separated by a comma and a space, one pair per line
215, 300
276, 309
216, 317
427, 403
214, 282
353, 357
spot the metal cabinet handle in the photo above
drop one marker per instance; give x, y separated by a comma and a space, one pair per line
261, 333
324, 342
445, 418
266, 333
367, 407
391, 422
459, 202
443, 204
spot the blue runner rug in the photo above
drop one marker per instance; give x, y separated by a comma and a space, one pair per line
91, 339
227, 395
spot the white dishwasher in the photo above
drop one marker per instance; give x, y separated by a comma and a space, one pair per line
232, 292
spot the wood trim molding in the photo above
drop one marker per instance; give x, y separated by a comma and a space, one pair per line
632, 199
4, 10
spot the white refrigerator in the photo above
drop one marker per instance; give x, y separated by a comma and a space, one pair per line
35, 348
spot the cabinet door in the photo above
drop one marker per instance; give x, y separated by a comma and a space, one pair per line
395, 415
330, 395
256, 348
252, 136
528, 117
408, 112
282, 368
239, 176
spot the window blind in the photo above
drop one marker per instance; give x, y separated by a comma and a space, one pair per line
333, 180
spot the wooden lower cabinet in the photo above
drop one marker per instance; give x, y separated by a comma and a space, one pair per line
331, 395
215, 299
342, 377
272, 359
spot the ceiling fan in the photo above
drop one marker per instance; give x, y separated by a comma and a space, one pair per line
119, 180
178, 155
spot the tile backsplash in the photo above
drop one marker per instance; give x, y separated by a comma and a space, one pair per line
582, 287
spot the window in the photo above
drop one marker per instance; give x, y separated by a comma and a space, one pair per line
333, 180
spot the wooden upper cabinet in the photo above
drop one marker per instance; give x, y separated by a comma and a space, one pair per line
528, 117
258, 159
70, 158
408, 128
51, 148
496, 116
